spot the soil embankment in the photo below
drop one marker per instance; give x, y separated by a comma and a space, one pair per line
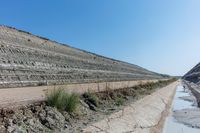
30, 60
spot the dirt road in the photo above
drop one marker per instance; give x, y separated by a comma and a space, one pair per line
144, 116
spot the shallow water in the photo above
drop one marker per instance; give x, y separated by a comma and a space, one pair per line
171, 125
178, 103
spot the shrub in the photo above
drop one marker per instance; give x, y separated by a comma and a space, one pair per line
54, 97
71, 102
63, 101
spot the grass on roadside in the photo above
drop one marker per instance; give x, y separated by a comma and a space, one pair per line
61, 100
71, 102
119, 97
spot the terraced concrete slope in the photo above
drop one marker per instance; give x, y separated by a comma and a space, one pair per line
29, 60
193, 75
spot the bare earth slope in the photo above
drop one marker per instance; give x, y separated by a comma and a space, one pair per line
29, 60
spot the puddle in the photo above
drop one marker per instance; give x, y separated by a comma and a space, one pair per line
171, 125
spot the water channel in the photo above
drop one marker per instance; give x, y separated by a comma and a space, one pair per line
171, 124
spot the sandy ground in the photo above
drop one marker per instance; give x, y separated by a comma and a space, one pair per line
144, 116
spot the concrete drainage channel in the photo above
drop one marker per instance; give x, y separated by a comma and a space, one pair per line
185, 116
144, 116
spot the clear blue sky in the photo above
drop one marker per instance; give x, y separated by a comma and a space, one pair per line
163, 36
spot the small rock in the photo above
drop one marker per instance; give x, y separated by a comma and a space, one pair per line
2, 129
8, 121
14, 121
50, 123
35, 125
84, 104
19, 130
66, 126
10, 129
28, 113
67, 116
42, 115
92, 107
85, 123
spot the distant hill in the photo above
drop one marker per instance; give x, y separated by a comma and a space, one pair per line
193, 75
30, 60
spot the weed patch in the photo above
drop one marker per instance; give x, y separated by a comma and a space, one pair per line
61, 100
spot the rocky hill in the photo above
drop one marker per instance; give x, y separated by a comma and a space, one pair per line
30, 60
193, 75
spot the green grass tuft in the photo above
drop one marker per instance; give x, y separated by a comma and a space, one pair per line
61, 100
71, 102
54, 98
